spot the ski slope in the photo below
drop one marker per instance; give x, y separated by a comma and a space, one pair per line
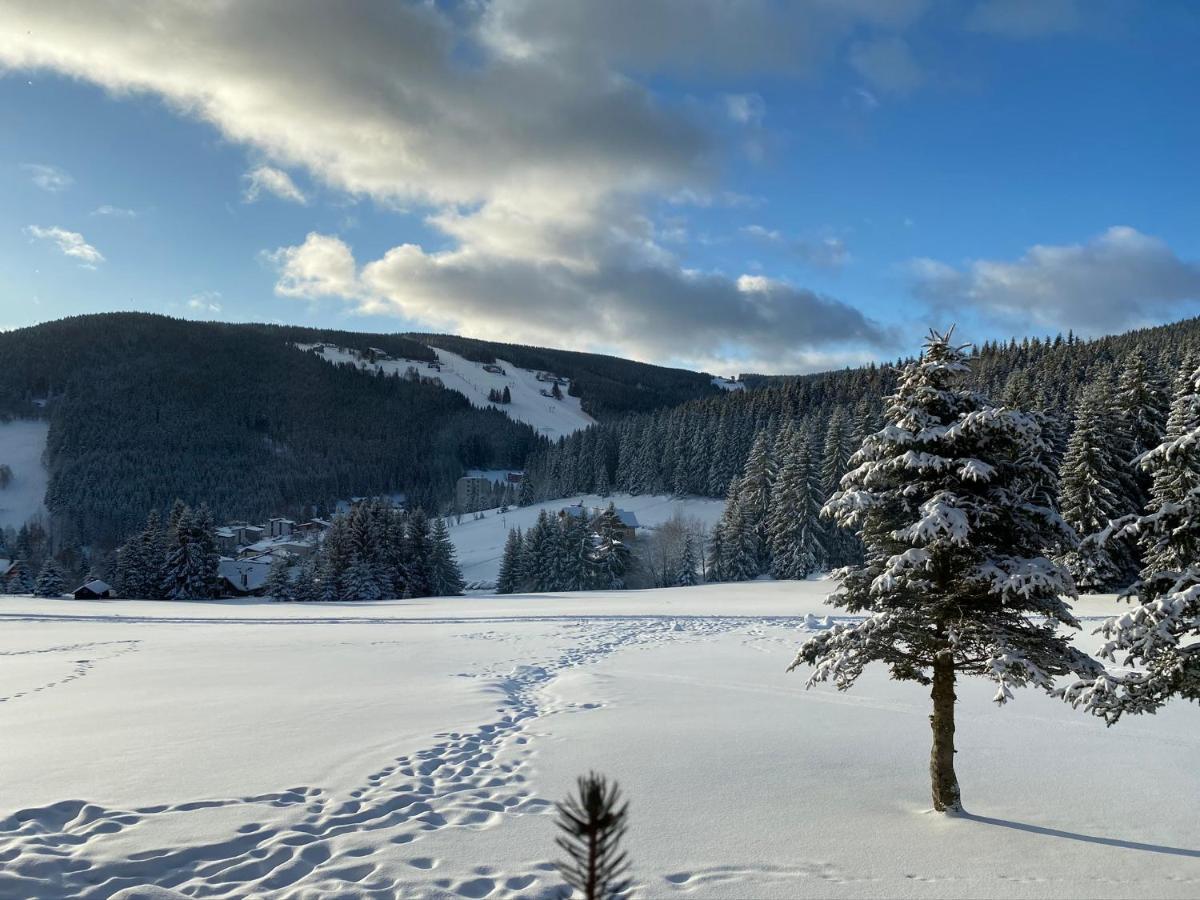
549, 417
22, 444
479, 542
415, 748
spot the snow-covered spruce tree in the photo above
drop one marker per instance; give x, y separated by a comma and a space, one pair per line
954, 503
743, 545
50, 581
190, 569
1160, 635
279, 585
444, 573
715, 561
793, 523
509, 580
1141, 402
685, 575
140, 562
1093, 493
612, 558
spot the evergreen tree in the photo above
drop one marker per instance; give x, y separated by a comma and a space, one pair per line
189, 572
686, 574
1158, 640
1092, 495
793, 525
139, 571
417, 553
510, 580
954, 503
50, 580
715, 565
445, 575
742, 544
361, 582
1142, 403
593, 824
612, 556
279, 584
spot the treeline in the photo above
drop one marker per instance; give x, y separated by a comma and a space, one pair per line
144, 409
375, 552
701, 447
572, 551
607, 386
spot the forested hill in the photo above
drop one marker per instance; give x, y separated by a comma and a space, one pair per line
606, 385
701, 446
144, 409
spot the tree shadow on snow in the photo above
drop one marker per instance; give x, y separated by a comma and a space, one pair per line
1075, 836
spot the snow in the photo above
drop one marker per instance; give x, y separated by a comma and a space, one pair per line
480, 542
728, 384
22, 443
414, 748
549, 417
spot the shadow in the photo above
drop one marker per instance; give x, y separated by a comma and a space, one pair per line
1074, 836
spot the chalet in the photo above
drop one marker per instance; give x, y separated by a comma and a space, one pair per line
494, 369
93, 590
244, 577
312, 528
226, 538
279, 527
514, 477
471, 492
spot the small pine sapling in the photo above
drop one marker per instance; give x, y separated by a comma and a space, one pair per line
593, 823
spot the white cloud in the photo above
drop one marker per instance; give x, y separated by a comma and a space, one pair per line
70, 243
653, 309
516, 126
1121, 278
116, 212
272, 181
205, 302
48, 178
323, 266
887, 64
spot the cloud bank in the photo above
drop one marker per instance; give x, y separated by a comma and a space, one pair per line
1119, 279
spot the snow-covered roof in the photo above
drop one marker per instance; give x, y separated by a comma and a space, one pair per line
245, 574
96, 586
5, 566
626, 518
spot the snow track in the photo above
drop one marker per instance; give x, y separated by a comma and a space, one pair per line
361, 842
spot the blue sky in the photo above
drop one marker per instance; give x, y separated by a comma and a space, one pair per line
764, 186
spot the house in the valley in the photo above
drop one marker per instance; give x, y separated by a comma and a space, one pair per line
244, 577
93, 590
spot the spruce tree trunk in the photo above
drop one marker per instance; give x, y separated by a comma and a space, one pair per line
941, 759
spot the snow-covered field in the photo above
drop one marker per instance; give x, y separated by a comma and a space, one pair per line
21, 446
414, 748
552, 418
480, 542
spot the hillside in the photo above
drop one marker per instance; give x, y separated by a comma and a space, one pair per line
549, 417
143, 409
606, 385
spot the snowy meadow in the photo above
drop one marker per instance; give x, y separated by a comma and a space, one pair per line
416, 748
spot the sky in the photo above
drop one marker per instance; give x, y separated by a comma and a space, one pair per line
729, 186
